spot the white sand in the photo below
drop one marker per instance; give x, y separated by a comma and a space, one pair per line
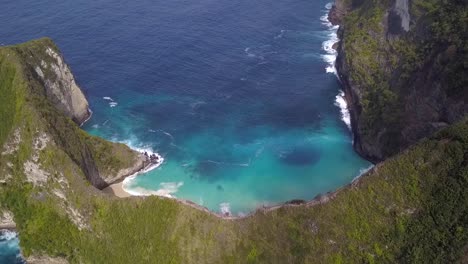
117, 190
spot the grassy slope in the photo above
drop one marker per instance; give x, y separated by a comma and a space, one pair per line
411, 208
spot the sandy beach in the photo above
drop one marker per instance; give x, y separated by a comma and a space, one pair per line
117, 190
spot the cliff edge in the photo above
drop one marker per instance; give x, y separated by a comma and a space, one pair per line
50, 168
40, 99
403, 68
44, 59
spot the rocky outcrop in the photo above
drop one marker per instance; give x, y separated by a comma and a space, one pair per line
59, 83
51, 89
140, 163
337, 12
7, 220
63, 89
402, 80
45, 260
401, 9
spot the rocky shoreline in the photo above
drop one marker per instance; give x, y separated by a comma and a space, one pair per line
336, 16
143, 163
146, 162
318, 200
118, 190
7, 221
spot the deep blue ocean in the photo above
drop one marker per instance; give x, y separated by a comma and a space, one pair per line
238, 96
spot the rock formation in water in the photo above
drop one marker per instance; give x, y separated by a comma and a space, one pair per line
403, 67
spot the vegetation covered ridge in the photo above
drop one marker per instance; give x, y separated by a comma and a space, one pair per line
403, 67
410, 208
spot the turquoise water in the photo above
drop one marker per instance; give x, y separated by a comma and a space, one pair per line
9, 248
266, 131
239, 97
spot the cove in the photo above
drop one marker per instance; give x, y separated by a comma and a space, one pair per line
239, 97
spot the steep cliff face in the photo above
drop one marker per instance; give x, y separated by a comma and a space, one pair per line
403, 67
40, 98
393, 214
57, 79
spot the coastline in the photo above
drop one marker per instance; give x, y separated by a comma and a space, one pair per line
343, 101
10, 227
117, 187
7, 221
118, 190
351, 100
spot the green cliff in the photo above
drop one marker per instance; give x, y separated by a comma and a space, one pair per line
403, 66
412, 208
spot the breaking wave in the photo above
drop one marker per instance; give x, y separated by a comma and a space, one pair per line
362, 172
166, 189
330, 59
340, 101
225, 208
327, 45
7, 235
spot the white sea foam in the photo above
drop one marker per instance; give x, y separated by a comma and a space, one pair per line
225, 208
363, 171
330, 59
340, 101
166, 189
112, 102
250, 54
166, 133
139, 147
259, 151
230, 163
327, 45
89, 117
281, 34
142, 149
139, 191
7, 235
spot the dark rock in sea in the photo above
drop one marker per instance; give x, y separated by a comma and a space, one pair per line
220, 188
335, 46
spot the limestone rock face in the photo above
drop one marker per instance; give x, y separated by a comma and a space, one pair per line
45, 260
6, 220
139, 164
61, 89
